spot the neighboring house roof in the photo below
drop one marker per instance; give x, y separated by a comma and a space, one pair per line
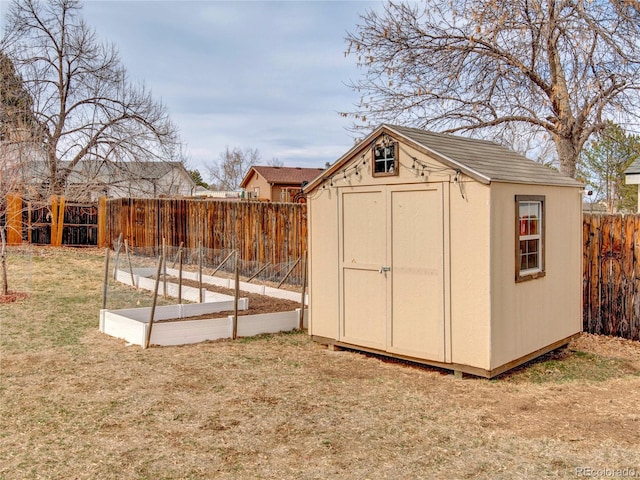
634, 168
92, 177
593, 207
482, 160
146, 170
110, 172
201, 191
283, 175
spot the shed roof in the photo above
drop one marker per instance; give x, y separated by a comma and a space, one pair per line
283, 175
481, 160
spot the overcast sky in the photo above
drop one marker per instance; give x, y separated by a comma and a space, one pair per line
267, 75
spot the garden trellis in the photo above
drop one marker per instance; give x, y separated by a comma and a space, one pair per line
261, 232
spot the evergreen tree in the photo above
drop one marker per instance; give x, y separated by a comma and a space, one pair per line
603, 165
196, 176
15, 103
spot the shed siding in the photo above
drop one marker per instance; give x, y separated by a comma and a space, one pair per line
530, 315
458, 243
470, 273
324, 282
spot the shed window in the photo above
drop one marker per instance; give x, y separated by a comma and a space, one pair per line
529, 237
385, 159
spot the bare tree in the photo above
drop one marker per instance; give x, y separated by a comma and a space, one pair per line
10, 184
83, 104
554, 68
275, 162
228, 171
18, 138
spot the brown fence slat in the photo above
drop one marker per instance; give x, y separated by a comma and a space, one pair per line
57, 222
611, 275
261, 231
14, 219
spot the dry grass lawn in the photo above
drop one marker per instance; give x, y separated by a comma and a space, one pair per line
76, 404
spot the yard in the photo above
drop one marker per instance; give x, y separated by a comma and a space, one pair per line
78, 404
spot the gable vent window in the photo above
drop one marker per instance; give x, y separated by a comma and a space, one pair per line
385, 160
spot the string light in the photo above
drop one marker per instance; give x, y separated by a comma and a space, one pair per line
422, 167
457, 181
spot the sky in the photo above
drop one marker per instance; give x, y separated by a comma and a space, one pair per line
265, 75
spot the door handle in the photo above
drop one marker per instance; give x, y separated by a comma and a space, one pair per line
384, 268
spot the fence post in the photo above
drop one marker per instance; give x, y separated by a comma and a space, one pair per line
126, 249
106, 278
117, 262
304, 285
14, 219
223, 262
54, 220
180, 274
235, 296
155, 301
164, 268
258, 272
200, 271
102, 222
60, 221
289, 272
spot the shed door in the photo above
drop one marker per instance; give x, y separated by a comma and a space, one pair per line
417, 273
364, 251
392, 269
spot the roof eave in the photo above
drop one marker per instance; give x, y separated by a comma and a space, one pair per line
632, 178
384, 128
575, 184
328, 173
245, 180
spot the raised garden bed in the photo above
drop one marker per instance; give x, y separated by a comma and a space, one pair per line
197, 322
170, 328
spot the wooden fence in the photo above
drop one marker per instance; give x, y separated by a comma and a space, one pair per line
261, 232
611, 275
276, 233
56, 222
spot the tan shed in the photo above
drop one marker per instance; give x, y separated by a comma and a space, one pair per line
444, 250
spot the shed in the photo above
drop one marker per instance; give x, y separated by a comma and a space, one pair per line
277, 184
444, 250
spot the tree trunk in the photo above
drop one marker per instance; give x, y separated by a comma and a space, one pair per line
568, 155
3, 260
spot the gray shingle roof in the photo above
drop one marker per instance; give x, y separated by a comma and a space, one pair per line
481, 160
111, 172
